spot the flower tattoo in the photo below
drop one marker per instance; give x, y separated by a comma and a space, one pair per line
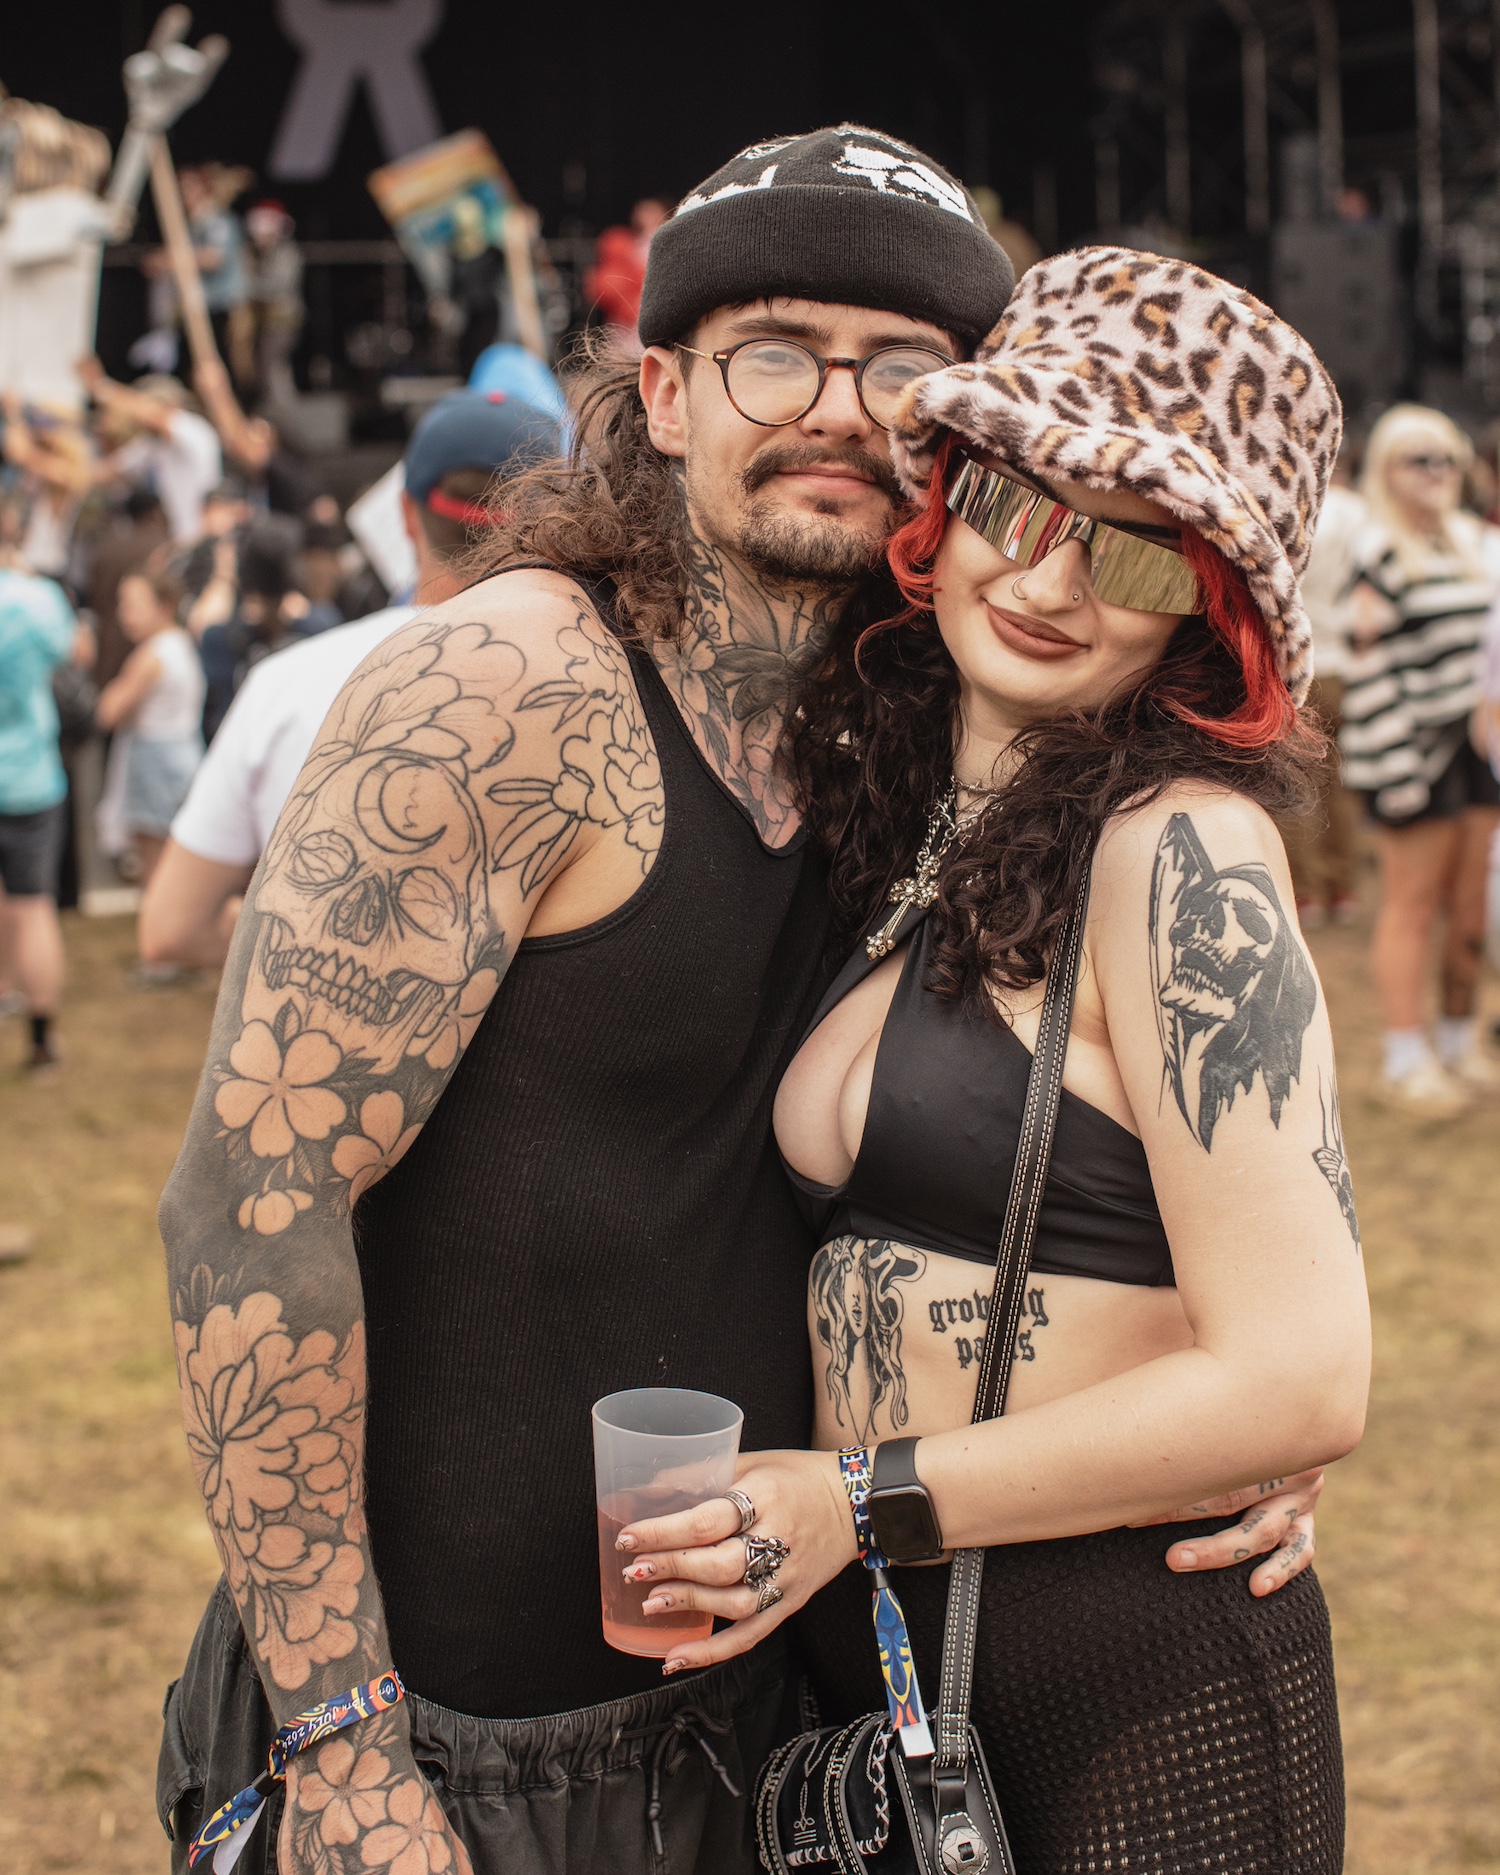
354, 1809
274, 1429
364, 1158
279, 1093
346, 1791
415, 1839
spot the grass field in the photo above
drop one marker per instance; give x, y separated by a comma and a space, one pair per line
105, 1559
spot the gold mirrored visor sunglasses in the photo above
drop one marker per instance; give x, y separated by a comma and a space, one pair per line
1026, 526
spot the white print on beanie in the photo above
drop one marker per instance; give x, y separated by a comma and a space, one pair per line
767, 177
901, 175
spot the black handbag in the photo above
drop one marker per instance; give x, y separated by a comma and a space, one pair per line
847, 1798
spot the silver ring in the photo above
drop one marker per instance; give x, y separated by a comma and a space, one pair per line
768, 1597
746, 1509
764, 1555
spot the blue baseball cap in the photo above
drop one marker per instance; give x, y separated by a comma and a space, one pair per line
520, 373
476, 430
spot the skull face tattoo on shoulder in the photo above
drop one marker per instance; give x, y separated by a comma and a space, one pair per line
1234, 992
373, 899
377, 902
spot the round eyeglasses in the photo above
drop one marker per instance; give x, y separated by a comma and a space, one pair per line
777, 381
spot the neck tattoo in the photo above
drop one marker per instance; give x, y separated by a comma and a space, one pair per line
747, 644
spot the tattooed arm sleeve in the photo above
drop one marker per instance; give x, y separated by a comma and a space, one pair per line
461, 767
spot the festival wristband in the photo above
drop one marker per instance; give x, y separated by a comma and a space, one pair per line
897, 1668
228, 1830
858, 1474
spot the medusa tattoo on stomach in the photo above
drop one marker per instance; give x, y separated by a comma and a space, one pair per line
857, 1312
1234, 992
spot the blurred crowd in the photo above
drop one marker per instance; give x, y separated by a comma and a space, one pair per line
151, 554
1404, 593
162, 539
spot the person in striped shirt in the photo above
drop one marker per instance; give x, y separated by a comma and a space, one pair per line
1427, 576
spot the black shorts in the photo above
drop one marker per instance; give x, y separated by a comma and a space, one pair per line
1468, 781
629, 1788
31, 851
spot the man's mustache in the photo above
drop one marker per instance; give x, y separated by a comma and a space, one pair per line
789, 459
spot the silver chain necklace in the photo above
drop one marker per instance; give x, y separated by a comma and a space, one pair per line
920, 887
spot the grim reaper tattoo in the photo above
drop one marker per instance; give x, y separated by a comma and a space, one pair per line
1234, 992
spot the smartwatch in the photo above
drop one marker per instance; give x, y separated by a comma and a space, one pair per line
901, 1511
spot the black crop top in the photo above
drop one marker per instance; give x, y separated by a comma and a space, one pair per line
939, 1145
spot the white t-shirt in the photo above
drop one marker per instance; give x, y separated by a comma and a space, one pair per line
172, 709
254, 760
182, 467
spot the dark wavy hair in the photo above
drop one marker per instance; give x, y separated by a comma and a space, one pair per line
613, 509
871, 747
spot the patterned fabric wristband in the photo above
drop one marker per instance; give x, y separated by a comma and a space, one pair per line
228, 1830
897, 1668
857, 1470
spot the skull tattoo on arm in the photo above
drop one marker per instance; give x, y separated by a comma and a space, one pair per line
1234, 991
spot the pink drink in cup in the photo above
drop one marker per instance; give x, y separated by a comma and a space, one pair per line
656, 1450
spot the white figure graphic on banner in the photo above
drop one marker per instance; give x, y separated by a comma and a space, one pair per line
345, 43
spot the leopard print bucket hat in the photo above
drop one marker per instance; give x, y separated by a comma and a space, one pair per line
1124, 370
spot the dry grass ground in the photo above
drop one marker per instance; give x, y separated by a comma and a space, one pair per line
104, 1559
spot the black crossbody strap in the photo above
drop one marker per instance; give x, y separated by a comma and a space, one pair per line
1012, 1265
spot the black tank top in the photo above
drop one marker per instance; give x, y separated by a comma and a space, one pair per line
596, 1203
939, 1144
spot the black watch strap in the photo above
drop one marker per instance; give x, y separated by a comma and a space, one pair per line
895, 1466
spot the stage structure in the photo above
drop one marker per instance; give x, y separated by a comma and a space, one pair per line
1341, 156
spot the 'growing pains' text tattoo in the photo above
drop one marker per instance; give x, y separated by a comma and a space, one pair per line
1234, 992
956, 1312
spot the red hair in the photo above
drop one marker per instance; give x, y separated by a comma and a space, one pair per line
913, 548
1266, 713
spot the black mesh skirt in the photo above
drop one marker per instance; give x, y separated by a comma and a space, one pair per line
1133, 1719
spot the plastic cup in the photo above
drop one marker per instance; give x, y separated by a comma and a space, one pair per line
656, 1450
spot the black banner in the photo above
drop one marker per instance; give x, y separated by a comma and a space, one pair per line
590, 106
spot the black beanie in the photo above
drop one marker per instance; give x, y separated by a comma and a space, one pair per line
845, 215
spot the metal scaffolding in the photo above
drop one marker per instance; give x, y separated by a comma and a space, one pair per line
1221, 121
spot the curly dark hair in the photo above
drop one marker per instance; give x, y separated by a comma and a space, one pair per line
871, 747
613, 509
